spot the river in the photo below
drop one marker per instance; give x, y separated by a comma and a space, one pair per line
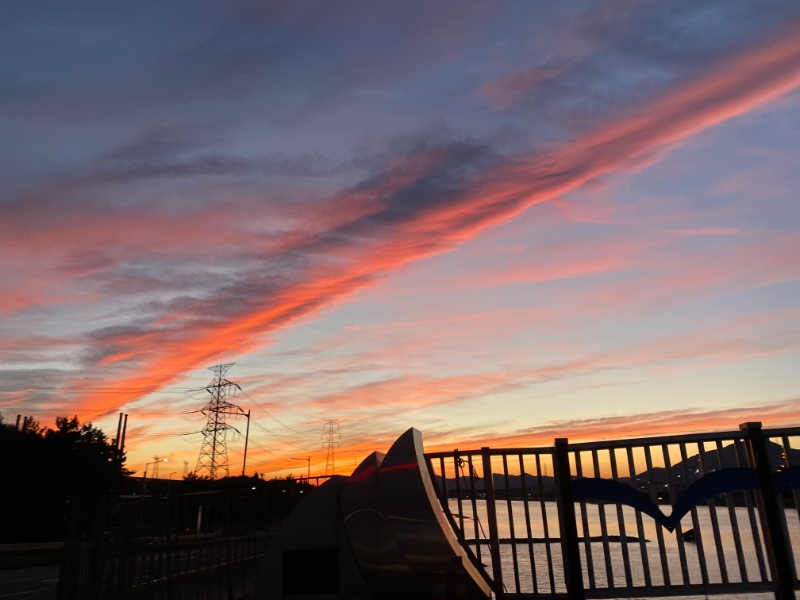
718, 552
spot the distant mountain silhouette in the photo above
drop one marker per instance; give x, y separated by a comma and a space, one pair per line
681, 474
514, 485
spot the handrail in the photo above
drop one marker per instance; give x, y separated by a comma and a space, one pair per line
706, 529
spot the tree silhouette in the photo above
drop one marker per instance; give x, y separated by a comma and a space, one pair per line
50, 469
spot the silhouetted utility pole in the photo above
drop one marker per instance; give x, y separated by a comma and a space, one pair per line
308, 461
246, 438
330, 440
122, 426
119, 432
214, 452
124, 429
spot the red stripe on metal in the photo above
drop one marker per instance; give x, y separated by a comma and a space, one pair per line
401, 467
364, 474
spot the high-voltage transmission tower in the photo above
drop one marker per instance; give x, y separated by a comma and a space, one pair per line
330, 440
214, 452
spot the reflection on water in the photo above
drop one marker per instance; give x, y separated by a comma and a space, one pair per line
656, 561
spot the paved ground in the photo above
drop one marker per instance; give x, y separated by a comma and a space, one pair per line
33, 583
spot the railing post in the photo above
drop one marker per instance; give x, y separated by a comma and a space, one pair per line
778, 554
491, 514
570, 549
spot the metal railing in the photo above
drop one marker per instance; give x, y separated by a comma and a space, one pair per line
670, 516
204, 545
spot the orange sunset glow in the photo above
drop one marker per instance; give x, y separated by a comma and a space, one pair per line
501, 226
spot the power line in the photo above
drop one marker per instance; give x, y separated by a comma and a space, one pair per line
48, 411
274, 418
60, 413
265, 449
272, 433
84, 389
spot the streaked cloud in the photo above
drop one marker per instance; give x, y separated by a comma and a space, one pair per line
257, 175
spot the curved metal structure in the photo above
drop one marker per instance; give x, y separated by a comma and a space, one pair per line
379, 534
420, 527
372, 540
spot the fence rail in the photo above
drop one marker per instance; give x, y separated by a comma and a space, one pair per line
199, 546
670, 516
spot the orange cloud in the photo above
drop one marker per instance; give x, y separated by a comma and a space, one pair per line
430, 202
276, 460
771, 415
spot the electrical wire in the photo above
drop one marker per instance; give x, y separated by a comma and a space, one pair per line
83, 389
164, 390
273, 417
264, 449
272, 433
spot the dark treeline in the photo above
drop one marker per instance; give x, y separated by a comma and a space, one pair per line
52, 474
48, 469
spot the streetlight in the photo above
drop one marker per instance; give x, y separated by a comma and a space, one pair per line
144, 479
308, 460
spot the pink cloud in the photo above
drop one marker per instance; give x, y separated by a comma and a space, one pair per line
711, 231
504, 92
638, 425
771, 415
760, 261
722, 344
388, 229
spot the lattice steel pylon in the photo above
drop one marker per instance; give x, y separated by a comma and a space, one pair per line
214, 452
330, 440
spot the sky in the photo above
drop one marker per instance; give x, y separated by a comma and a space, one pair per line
499, 223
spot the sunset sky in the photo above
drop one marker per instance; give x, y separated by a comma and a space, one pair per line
499, 223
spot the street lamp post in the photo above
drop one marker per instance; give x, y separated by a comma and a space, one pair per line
308, 460
144, 479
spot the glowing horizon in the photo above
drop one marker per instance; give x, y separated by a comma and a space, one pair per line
532, 223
